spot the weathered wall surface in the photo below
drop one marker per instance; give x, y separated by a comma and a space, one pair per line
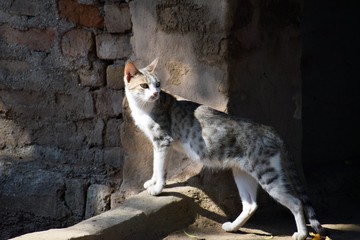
188, 37
264, 66
60, 110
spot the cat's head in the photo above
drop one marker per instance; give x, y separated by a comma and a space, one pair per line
142, 83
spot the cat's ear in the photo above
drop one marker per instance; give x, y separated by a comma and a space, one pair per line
130, 71
151, 67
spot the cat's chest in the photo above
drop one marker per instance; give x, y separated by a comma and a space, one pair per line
144, 122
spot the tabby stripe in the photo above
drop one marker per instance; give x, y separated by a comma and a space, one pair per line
272, 179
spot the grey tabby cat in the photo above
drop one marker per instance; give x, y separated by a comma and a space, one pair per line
255, 153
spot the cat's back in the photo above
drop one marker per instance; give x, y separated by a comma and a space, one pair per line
210, 117
207, 117
218, 124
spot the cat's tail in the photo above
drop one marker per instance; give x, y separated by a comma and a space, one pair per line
300, 191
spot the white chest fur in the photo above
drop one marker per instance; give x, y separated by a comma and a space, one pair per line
141, 115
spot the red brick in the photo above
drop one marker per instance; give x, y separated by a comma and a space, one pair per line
85, 15
91, 130
34, 38
77, 42
112, 133
114, 157
108, 102
114, 76
94, 77
14, 65
79, 106
109, 46
25, 7
117, 18
23, 104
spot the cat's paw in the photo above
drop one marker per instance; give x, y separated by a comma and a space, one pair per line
299, 236
155, 190
228, 227
149, 183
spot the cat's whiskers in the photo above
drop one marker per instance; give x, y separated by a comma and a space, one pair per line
141, 104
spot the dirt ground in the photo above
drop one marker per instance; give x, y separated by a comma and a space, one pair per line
281, 229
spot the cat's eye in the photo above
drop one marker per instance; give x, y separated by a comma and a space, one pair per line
144, 85
157, 84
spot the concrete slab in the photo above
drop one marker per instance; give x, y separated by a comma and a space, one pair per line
140, 217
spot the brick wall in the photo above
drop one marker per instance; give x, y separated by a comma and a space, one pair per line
60, 109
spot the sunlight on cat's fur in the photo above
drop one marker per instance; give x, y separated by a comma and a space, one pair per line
255, 153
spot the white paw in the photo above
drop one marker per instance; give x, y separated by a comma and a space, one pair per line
155, 189
149, 183
299, 236
228, 227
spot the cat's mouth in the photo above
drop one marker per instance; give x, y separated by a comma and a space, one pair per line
153, 98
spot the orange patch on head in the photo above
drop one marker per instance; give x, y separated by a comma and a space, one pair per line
130, 71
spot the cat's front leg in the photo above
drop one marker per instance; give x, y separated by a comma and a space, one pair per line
156, 184
150, 182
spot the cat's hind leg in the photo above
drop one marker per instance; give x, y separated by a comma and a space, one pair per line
276, 184
247, 187
294, 205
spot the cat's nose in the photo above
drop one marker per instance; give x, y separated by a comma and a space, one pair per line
155, 94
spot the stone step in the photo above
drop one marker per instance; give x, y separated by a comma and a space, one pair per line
140, 217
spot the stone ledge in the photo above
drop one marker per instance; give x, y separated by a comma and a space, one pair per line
140, 217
